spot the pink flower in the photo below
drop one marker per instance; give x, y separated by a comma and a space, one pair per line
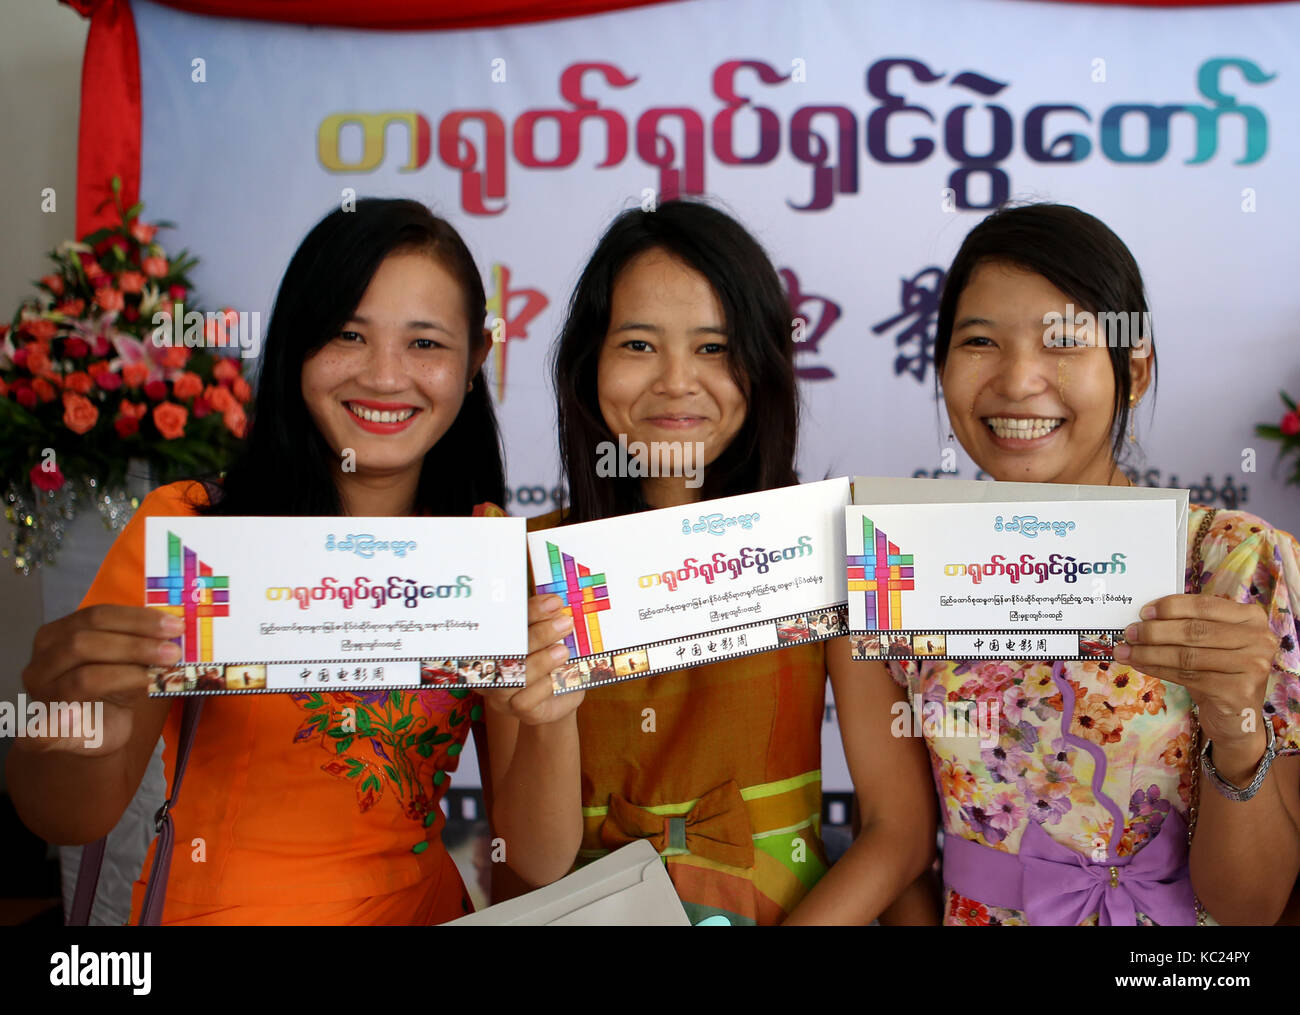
48, 480
108, 380
130, 281
54, 283
1290, 425
143, 232
154, 267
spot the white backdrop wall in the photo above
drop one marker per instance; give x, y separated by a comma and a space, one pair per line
859, 141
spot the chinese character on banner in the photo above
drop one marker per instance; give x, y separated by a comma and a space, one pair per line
503, 324
809, 327
919, 297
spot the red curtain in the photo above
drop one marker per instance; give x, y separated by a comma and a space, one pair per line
109, 135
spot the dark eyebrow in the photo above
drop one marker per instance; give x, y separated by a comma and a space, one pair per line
968, 322
418, 325
639, 326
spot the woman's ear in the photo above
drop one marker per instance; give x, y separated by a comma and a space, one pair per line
1139, 368
477, 357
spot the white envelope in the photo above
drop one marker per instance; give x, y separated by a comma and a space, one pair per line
628, 888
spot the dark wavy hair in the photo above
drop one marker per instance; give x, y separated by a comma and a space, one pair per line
1077, 253
760, 355
286, 467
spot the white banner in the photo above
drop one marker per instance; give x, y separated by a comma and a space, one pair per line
859, 141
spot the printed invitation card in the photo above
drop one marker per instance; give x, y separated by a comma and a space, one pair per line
292, 604
951, 569
675, 587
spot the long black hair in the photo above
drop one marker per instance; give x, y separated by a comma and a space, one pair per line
760, 355
1081, 256
286, 466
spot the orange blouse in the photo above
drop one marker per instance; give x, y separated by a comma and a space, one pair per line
286, 818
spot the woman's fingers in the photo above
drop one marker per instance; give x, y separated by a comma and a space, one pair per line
88, 645
548, 631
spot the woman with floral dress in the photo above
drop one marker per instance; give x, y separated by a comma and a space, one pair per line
1080, 812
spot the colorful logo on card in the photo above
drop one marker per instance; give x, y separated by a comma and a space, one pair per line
585, 595
191, 591
881, 573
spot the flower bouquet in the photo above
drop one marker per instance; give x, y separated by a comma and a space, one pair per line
1287, 432
87, 386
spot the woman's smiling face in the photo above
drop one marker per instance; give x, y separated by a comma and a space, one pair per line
1025, 409
663, 373
391, 383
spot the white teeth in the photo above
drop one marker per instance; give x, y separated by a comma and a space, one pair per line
1022, 429
374, 416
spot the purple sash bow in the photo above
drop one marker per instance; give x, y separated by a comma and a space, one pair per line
1054, 885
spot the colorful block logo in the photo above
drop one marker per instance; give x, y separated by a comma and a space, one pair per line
584, 594
881, 573
190, 590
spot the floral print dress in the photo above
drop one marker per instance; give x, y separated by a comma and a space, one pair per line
1124, 769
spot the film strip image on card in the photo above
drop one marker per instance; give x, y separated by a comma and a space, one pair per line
677, 587
1005, 580
291, 604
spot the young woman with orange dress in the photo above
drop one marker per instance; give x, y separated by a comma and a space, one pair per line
372, 357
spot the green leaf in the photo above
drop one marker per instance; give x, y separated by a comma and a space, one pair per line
427, 735
370, 782
454, 750
392, 773
1287, 398
1268, 430
420, 847
424, 750
459, 692
456, 719
476, 713
439, 777
430, 818
442, 738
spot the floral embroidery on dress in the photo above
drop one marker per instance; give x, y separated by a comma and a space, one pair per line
1141, 725
402, 742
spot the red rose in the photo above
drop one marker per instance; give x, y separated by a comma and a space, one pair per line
39, 328
126, 426
176, 292
79, 415
1290, 424
134, 374
220, 398
241, 390
88, 262
54, 283
131, 314
75, 348
130, 281
46, 480
170, 418
50, 480
102, 346
156, 391
187, 385
80, 382
175, 357
225, 369
25, 396
71, 308
38, 359
20, 357
108, 380
154, 267
4, 388
135, 410
110, 299
235, 420
44, 389
201, 408
142, 231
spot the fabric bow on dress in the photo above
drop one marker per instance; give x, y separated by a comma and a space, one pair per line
716, 828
